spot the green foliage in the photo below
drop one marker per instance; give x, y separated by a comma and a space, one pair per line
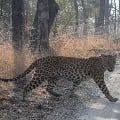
94, 7
65, 17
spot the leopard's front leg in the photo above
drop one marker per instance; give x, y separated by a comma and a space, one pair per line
101, 83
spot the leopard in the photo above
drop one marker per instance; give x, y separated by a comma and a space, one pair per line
76, 70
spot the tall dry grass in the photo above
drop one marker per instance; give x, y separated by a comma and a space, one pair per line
69, 45
7, 56
6, 60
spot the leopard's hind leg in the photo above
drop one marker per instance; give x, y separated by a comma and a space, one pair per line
32, 85
51, 84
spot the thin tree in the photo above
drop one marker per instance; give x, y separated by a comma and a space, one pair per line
100, 23
119, 6
76, 15
107, 14
115, 20
85, 17
53, 10
1, 9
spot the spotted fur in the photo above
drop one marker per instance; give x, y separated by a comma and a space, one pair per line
51, 68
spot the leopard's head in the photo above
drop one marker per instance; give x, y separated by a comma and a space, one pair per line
109, 62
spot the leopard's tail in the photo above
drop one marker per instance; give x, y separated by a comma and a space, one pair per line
27, 71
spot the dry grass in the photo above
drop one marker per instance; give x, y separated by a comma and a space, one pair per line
7, 59
67, 45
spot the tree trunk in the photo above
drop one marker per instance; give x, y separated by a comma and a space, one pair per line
100, 23
115, 21
76, 15
1, 9
17, 23
44, 18
107, 14
17, 32
85, 18
41, 25
53, 10
119, 7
